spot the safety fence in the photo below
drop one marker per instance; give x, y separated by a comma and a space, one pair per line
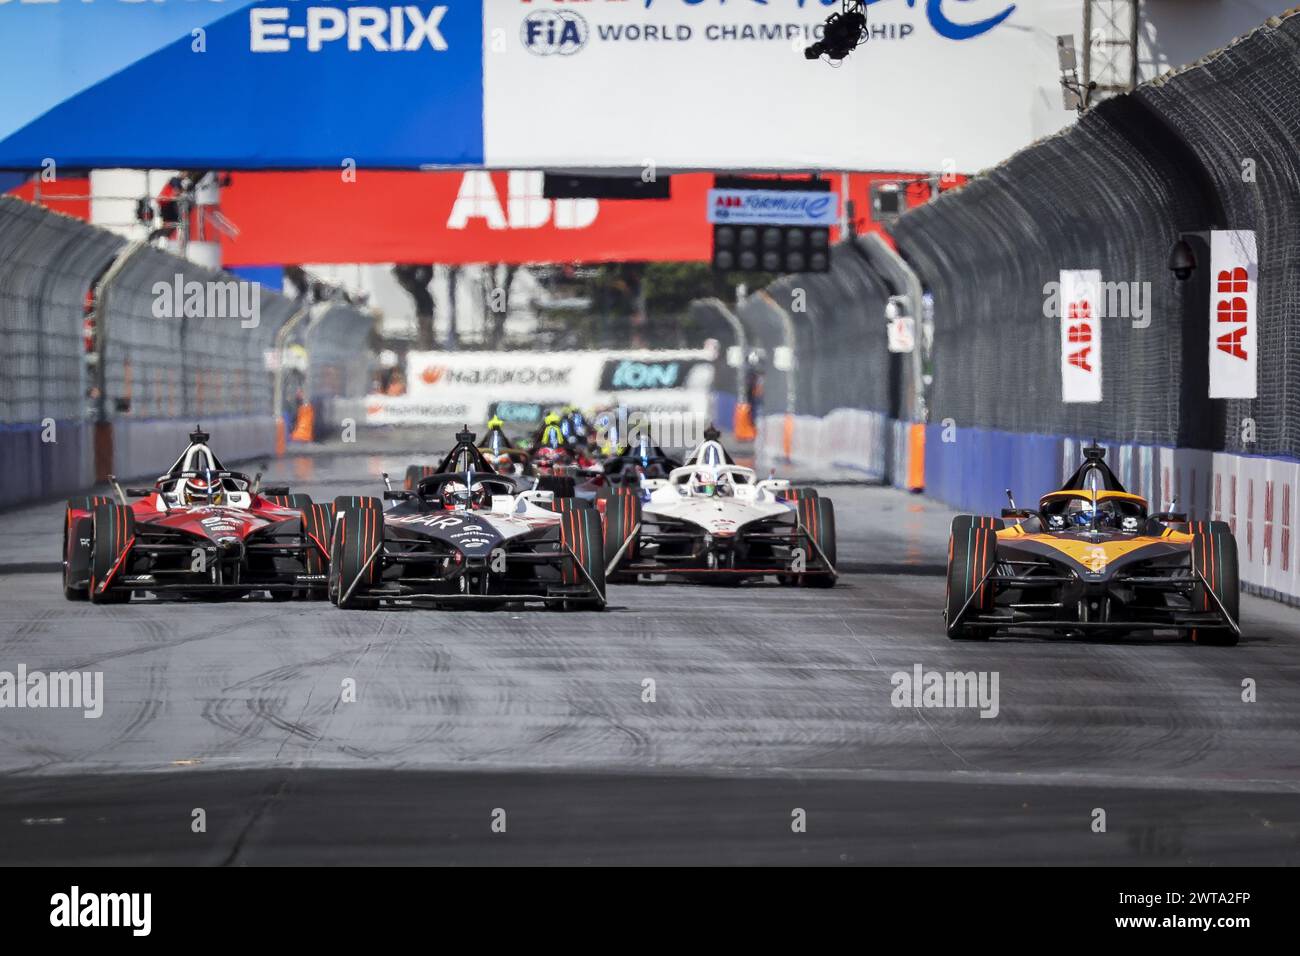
1139, 182
111, 352
1215, 146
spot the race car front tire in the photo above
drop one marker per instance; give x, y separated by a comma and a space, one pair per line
290, 501
317, 530
1214, 559
584, 564
798, 494
111, 536
817, 520
76, 556
622, 521
358, 533
972, 554
564, 505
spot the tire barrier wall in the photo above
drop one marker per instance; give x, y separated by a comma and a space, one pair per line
66, 286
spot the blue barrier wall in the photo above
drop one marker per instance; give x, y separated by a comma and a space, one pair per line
145, 449
31, 468
974, 467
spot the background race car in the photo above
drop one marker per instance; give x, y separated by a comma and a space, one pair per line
200, 531
468, 535
1091, 559
712, 519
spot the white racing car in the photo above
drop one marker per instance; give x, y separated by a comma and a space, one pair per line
712, 519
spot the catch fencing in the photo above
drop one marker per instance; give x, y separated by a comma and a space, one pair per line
108, 359
1215, 146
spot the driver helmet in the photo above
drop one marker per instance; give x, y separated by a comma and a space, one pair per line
1082, 512
458, 495
195, 491
704, 483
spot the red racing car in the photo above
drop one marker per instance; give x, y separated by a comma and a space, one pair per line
201, 531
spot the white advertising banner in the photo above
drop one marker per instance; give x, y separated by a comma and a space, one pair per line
468, 386
412, 410
723, 84
1080, 335
1234, 273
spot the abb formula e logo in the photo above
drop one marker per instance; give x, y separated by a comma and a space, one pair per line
396, 29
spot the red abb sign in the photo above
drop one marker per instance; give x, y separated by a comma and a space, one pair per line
1079, 331
1233, 317
1232, 308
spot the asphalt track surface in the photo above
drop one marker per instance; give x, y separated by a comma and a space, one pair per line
768, 700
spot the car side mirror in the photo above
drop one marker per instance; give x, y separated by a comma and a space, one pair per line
1169, 517
398, 495
275, 490
139, 492
1020, 514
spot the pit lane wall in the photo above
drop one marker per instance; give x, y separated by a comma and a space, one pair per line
109, 357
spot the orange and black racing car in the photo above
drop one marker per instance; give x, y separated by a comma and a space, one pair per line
1091, 559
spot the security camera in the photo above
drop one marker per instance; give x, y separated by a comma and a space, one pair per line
1182, 260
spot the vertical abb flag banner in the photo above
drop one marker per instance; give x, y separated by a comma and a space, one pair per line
1234, 273
1080, 335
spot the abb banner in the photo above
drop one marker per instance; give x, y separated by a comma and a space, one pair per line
1234, 270
455, 218
1080, 335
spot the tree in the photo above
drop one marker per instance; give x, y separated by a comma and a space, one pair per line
453, 321
494, 283
415, 280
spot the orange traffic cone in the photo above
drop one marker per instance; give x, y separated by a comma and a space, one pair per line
305, 427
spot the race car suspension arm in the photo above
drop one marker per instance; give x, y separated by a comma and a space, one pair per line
820, 553
1236, 628
618, 555
364, 568
974, 591
590, 581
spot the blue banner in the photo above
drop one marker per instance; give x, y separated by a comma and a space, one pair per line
205, 83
